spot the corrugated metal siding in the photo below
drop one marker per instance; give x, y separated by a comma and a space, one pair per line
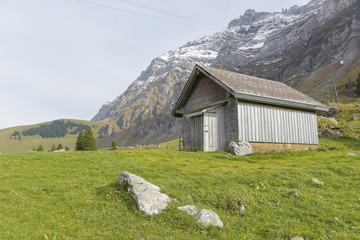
264, 123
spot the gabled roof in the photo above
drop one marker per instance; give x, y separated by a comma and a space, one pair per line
252, 89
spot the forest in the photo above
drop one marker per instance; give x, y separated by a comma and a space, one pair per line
56, 129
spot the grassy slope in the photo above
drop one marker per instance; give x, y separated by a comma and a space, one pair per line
75, 194
317, 85
350, 128
29, 142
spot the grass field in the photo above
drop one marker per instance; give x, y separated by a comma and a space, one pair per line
75, 195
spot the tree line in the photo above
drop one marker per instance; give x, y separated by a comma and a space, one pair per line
56, 129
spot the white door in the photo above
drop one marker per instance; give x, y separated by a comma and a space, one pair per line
210, 132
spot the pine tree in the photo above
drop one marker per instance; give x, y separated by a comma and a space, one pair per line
86, 141
60, 146
357, 84
80, 142
40, 148
89, 140
113, 145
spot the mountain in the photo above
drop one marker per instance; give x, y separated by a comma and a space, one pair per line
302, 47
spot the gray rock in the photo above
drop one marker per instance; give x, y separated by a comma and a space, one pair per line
352, 154
241, 209
147, 196
330, 119
353, 118
61, 150
204, 216
330, 134
209, 218
190, 209
332, 112
239, 148
297, 238
317, 181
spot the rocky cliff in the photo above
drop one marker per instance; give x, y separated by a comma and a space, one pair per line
302, 47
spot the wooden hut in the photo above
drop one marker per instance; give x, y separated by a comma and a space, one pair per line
219, 106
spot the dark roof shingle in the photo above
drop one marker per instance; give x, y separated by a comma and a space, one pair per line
244, 84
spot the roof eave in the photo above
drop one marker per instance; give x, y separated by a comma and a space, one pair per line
197, 69
280, 102
180, 100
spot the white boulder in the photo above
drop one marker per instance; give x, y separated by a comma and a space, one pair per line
147, 196
209, 218
239, 148
204, 216
190, 209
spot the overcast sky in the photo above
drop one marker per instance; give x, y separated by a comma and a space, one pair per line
65, 58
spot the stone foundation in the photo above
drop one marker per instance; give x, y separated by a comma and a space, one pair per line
280, 147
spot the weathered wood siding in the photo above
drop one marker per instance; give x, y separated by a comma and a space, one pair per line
231, 120
186, 133
205, 93
214, 130
264, 123
197, 132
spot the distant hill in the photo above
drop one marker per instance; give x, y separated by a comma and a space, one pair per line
64, 131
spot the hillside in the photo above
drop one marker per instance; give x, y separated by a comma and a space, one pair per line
302, 47
75, 195
20, 138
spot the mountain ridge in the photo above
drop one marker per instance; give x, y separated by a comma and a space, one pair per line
284, 47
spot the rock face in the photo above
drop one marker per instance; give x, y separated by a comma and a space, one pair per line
204, 216
147, 196
239, 148
302, 47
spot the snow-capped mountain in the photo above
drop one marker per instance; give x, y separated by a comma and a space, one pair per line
292, 47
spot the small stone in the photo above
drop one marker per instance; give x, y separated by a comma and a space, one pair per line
204, 216
296, 195
317, 181
209, 218
241, 209
352, 154
61, 150
297, 238
353, 118
190, 209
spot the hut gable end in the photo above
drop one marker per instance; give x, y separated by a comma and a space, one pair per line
205, 92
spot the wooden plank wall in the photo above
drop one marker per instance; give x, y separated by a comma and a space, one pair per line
214, 130
197, 132
264, 123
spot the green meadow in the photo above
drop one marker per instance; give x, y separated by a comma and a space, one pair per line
75, 195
